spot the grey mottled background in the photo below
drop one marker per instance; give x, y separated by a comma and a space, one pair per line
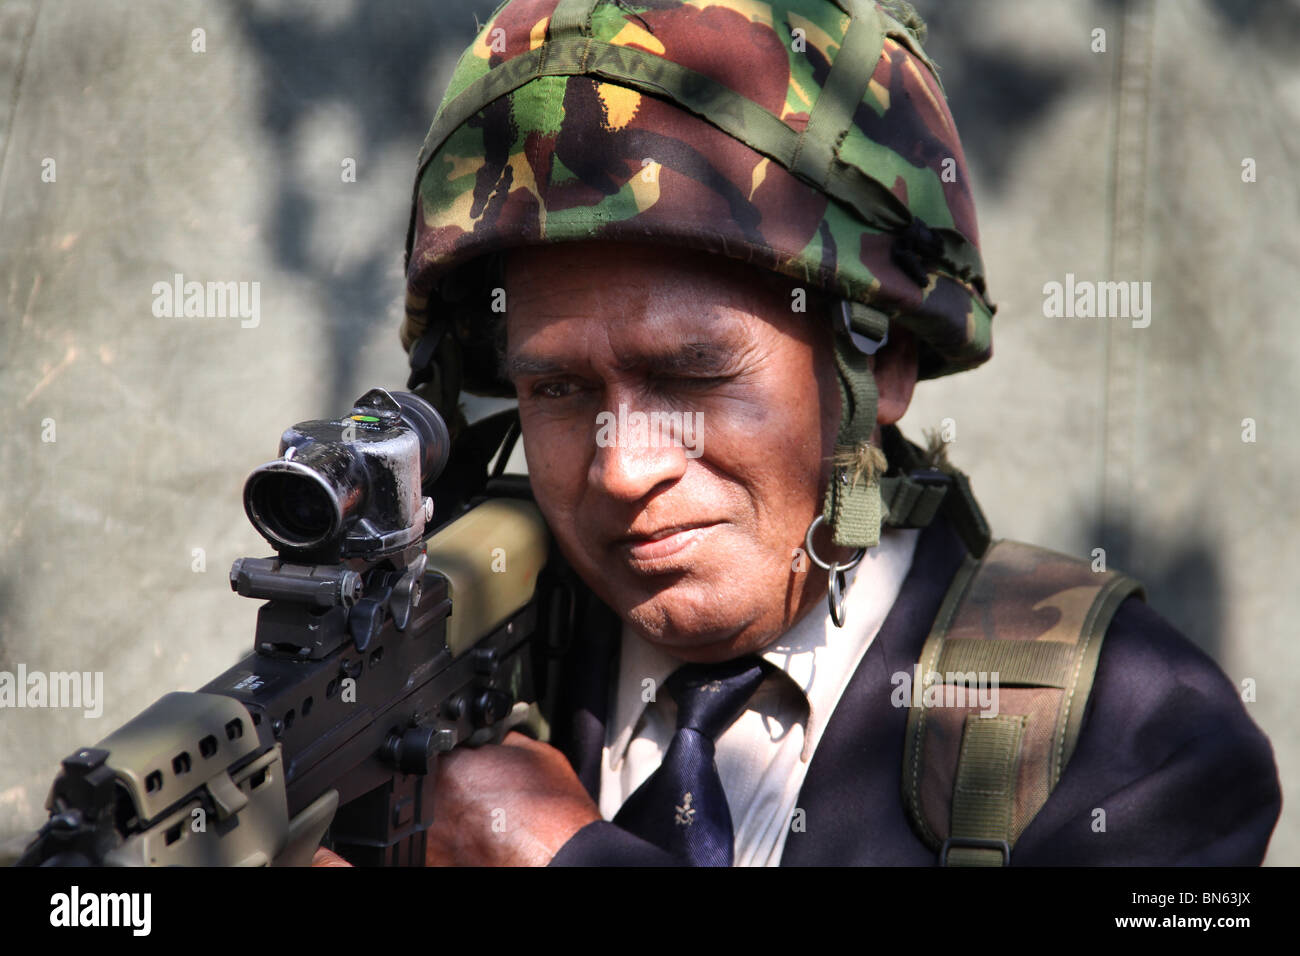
225, 166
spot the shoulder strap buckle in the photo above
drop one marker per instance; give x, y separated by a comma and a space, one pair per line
975, 843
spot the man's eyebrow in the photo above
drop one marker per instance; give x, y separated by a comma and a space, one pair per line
686, 358
524, 364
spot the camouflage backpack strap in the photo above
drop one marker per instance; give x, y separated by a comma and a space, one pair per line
1024, 625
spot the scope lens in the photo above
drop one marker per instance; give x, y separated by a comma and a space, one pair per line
293, 508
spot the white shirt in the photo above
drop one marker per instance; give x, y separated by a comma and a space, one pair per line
763, 757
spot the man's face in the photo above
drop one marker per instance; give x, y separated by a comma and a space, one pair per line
689, 536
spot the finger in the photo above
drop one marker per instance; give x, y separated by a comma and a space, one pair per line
324, 857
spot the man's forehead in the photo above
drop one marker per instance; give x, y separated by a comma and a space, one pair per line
709, 353
666, 310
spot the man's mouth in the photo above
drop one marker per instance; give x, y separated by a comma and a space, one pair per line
649, 549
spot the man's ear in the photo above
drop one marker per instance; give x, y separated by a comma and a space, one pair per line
895, 368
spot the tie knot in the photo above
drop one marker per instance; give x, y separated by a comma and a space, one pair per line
710, 696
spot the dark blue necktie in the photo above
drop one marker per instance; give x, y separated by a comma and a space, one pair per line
681, 807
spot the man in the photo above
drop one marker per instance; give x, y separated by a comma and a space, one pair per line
754, 217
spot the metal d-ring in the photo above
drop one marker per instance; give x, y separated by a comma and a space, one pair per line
835, 584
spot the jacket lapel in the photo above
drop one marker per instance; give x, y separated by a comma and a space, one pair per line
589, 674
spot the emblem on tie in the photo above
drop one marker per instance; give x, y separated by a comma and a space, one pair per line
686, 812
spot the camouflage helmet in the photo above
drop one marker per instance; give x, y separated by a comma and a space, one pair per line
811, 138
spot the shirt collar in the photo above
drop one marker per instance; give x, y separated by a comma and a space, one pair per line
818, 657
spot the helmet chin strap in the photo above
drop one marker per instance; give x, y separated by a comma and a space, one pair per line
853, 506
859, 498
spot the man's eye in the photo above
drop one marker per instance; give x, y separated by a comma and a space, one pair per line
552, 389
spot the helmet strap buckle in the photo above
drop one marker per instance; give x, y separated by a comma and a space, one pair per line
867, 328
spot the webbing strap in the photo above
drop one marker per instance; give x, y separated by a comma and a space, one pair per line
908, 503
1023, 663
915, 495
571, 17
736, 115
985, 790
853, 507
893, 27
855, 8
842, 93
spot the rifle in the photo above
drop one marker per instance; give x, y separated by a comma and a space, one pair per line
384, 641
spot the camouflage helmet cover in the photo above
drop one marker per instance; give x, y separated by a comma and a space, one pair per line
808, 137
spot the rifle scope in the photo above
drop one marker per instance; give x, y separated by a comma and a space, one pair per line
353, 486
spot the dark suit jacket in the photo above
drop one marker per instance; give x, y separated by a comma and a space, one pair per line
1167, 749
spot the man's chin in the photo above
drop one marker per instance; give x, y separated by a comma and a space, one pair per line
688, 634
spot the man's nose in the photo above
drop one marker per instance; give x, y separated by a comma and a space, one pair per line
631, 461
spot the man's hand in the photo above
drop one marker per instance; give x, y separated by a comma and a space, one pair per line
514, 804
